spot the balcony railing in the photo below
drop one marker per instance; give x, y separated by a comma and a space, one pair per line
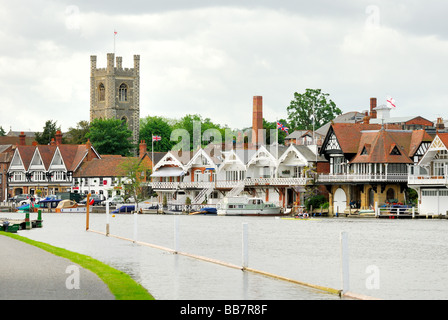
389, 177
224, 184
427, 180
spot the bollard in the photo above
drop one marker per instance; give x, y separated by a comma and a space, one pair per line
245, 251
5, 225
107, 219
345, 272
135, 226
87, 211
176, 234
39, 219
27, 221
413, 212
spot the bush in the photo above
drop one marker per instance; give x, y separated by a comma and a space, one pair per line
315, 201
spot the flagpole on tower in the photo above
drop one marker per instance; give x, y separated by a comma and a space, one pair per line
115, 33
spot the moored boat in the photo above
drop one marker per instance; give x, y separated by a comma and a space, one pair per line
244, 206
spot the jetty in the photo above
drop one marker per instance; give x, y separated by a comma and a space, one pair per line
14, 225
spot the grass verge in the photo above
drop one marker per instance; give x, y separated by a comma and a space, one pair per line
122, 286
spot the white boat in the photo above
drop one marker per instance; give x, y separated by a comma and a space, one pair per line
244, 206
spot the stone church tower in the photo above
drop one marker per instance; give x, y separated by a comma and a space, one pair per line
115, 92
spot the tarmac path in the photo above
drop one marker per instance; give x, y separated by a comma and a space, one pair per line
30, 273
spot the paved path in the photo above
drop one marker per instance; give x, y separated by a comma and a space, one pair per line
30, 273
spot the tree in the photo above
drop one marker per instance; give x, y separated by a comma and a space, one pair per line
78, 135
156, 126
2, 132
110, 136
48, 133
133, 172
271, 126
300, 110
195, 131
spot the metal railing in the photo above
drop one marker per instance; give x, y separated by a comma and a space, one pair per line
427, 180
389, 177
230, 184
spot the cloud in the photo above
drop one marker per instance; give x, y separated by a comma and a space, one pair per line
212, 58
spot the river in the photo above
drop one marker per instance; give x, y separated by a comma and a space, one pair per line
389, 259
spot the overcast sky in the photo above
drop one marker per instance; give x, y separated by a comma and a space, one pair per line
212, 57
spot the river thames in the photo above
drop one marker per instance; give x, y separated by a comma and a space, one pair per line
389, 259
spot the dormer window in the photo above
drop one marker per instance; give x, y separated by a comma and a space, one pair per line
395, 151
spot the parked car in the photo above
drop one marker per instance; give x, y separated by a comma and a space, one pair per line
114, 201
95, 197
20, 197
27, 201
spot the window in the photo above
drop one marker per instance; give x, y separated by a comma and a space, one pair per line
123, 93
439, 168
39, 176
101, 92
395, 151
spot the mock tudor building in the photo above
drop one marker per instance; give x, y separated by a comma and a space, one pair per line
369, 164
430, 178
46, 168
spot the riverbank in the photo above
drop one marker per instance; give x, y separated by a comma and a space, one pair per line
121, 285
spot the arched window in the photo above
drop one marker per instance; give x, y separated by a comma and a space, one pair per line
124, 121
123, 92
101, 92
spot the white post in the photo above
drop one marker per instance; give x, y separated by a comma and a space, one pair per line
413, 212
345, 272
107, 218
135, 225
245, 245
376, 209
176, 234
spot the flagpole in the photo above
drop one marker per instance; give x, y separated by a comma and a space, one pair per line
152, 151
115, 33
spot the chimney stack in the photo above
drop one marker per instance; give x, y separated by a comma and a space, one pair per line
372, 108
22, 139
257, 120
440, 124
58, 137
142, 148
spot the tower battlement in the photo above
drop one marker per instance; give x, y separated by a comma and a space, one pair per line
115, 92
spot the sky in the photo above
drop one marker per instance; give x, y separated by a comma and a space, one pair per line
211, 57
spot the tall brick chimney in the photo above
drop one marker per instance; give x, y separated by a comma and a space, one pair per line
257, 120
22, 137
58, 137
372, 107
142, 149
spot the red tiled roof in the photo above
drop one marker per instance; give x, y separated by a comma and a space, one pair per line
383, 142
349, 134
444, 138
105, 167
26, 154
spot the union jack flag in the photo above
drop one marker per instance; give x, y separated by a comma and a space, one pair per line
282, 127
156, 138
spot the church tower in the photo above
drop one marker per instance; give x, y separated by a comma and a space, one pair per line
115, 92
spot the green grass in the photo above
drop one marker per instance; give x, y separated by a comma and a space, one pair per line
122, 286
